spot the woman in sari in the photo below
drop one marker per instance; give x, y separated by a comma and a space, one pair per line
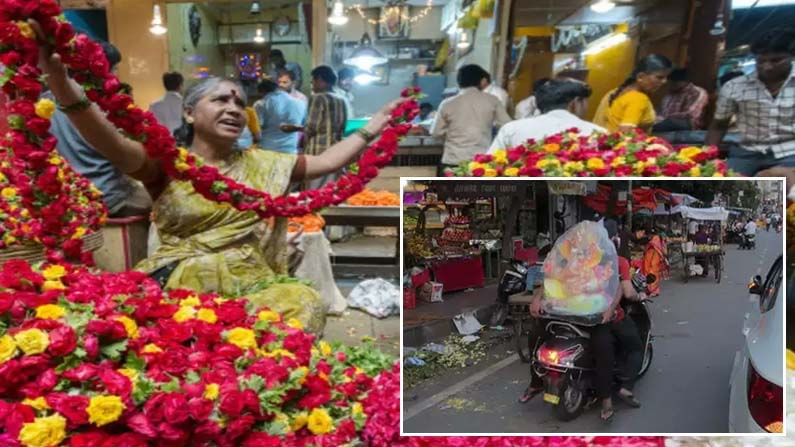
655, 259
207, 246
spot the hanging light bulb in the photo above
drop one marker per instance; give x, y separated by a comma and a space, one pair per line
463, 40
338, 16
602, 6
259, 38
157, 27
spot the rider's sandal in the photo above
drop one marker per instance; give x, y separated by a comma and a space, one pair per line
530, 393
607, 415
629, 400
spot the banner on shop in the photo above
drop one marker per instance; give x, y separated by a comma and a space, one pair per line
564, 188
480, 189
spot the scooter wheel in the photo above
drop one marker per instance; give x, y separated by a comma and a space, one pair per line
572, 402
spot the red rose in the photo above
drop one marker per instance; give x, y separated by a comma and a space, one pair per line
141, 424
115, 382
239, 426
28, 88
208, 430
259, 439
479, 172
38, 126
10, 58
91, 345
175, 408
200, 409
319, 393
44, 384
90, 439
170, 433
63, 341
72, 408
126, 440
20, 415
231, 402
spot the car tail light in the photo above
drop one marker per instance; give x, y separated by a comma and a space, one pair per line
765, 402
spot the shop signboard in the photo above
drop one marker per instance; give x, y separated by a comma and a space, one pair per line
564, 188
450, 190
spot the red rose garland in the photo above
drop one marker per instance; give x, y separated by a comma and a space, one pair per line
86, 60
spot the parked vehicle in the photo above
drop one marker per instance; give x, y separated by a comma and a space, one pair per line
756, 402
748, 242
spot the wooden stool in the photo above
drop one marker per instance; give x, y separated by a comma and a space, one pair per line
125, 243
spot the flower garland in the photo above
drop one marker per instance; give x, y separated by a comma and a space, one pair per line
86, 60
570, 154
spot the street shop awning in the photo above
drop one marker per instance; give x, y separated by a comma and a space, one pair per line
684, 199
664, 210
716, 213
642, 198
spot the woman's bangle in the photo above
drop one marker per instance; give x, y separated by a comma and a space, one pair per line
82, 104
367, 136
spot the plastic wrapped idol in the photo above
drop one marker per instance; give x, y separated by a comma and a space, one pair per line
581, 274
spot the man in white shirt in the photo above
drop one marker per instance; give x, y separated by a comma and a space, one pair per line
498, 92
562, 102
692, 228
466, 121
750, 228
168, 109
527, 107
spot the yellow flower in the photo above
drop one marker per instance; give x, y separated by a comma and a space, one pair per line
38, 403
181, 166
2, 177
26, 30
325, 348
501, 156
103, 410
8, 193
47, 431
79, 233
207, 315
695, 171
790, 359
242, 338
220, 300
512, 172
320, 422
551, 148
294, 323
192, 300
129, 373
54, 272
639, 167
283, 418
618, 161
8, 348
299, 421
52, 285
304, 372
357, 409
50, 312
184, 314
45, 108
268, 315
490, 172
573, 166
8, 239
211, 391
129, 325
151, 348
183, 153
473, 165
689, 152
545, 163
595, 163
32, 341
276, 353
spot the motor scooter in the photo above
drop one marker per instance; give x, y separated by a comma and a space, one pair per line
748, 242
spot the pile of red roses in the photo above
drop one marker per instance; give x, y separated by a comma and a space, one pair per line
86, 60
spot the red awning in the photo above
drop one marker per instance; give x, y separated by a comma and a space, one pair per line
647, 198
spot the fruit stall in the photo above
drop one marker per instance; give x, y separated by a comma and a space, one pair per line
710, 254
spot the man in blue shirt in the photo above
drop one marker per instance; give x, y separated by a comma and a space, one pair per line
275, 109
122, 195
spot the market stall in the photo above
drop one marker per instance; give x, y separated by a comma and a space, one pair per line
710, 254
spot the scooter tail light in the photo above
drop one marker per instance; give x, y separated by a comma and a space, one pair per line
565, 357
765, 402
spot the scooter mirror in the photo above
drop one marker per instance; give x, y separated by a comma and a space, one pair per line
755, 288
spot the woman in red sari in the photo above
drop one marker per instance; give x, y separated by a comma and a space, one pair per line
655, 259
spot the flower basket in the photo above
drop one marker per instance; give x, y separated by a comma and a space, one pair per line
36, 253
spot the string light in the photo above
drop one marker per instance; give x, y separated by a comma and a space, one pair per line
392, 10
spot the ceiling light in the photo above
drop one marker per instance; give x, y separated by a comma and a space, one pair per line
338, 16
718, 29
463, 40
604, 43
255, 8
157, 27
365, 56
259, 38
602, 6
365, 78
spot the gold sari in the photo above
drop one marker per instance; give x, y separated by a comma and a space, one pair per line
215, 248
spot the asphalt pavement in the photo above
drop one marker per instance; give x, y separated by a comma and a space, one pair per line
698, 330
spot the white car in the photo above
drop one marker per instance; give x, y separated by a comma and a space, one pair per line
756, 403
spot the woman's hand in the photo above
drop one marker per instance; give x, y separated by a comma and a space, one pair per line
535, 307
382, 117
608, 315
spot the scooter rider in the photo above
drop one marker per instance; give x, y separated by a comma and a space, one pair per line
614, 326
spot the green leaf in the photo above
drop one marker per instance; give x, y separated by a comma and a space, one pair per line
143, 389
135, 362
170, 387
69, 362
80, 353
192, 377
218, 187
253, 382
62, 385
114, 351
261, 326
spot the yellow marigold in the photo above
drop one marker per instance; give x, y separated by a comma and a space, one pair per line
294, 323
512, 172
32, 341
50, 312
8, 192
304, 373
26, 30
192, 300
184, 314
618, 161
45, 108
595, 163
181, 166
129, 325
8, 348
49, 431
151, 348
790, 359
490, 172
8, 239
38, 403
183, 153
299, 421
54, 272
268, 315
546, 163
207, 315
319, 422
242, 338
551, 148
695, 171
639, 167
103, 410
573, 166
52, 285
276, 353
357, 409
79, 233
689, 152
211, 391
220, 300
325, 348
501, 156
129, 373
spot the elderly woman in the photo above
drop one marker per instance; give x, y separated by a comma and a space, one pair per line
207, 246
